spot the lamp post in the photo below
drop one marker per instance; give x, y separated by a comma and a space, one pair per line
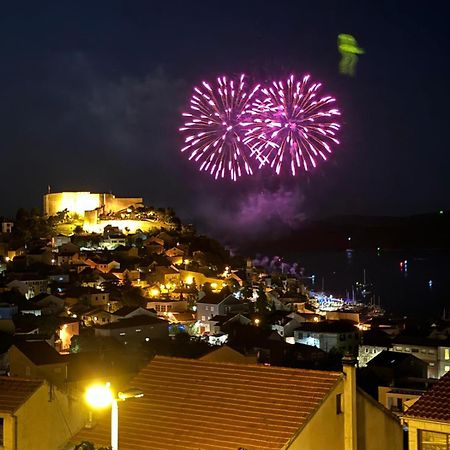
101, 396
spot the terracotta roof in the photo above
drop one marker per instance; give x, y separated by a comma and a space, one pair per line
435, 404
191, 404
15, 391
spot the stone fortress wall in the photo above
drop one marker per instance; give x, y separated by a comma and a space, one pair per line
81, 202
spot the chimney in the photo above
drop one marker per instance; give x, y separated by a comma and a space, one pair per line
350, 413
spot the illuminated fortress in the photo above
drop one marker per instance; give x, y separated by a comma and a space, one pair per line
81, 202
91, 207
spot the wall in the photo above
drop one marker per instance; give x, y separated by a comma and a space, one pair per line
46, 425
378, 429
368, 352
325, 430
76, 202
79, 202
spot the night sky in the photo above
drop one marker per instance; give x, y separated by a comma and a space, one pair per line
92, 93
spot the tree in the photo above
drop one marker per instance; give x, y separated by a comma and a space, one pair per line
78, 229
262, 305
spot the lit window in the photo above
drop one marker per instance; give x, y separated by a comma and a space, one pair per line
138, 330
432, 440
122, 334
446, 368
447, 354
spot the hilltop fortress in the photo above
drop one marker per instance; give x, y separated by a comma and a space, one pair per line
82, 202
99, 210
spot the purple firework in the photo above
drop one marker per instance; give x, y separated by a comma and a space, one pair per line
292, 125
215, 127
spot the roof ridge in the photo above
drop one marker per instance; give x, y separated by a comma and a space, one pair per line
249, 365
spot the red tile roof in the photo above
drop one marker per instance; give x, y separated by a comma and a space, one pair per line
434, 404
191, 404
15, 391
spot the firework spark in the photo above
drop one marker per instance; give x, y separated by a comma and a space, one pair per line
215, 127
292, 125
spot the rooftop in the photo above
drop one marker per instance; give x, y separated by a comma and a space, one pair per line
131, 322
328, 326
392, 359
15, 391
191, 404
40, 352
434, 404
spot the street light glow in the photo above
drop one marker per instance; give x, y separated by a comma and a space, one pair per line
99, 396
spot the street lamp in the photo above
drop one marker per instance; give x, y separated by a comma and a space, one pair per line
101, 396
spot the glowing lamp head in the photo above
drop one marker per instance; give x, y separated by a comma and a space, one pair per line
99, 395
189, 280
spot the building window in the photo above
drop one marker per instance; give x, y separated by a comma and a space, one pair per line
1, 431
339, 409
122, 334
447, 354
446, 368
431, 440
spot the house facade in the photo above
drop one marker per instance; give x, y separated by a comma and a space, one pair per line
37, 416
428, 419
135, 329
342, 336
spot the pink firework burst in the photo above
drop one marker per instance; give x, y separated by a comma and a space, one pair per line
215, 127
292, 125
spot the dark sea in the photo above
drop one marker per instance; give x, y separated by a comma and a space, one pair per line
415, 283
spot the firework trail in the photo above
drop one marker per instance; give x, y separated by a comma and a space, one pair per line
292, 125
216, 125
